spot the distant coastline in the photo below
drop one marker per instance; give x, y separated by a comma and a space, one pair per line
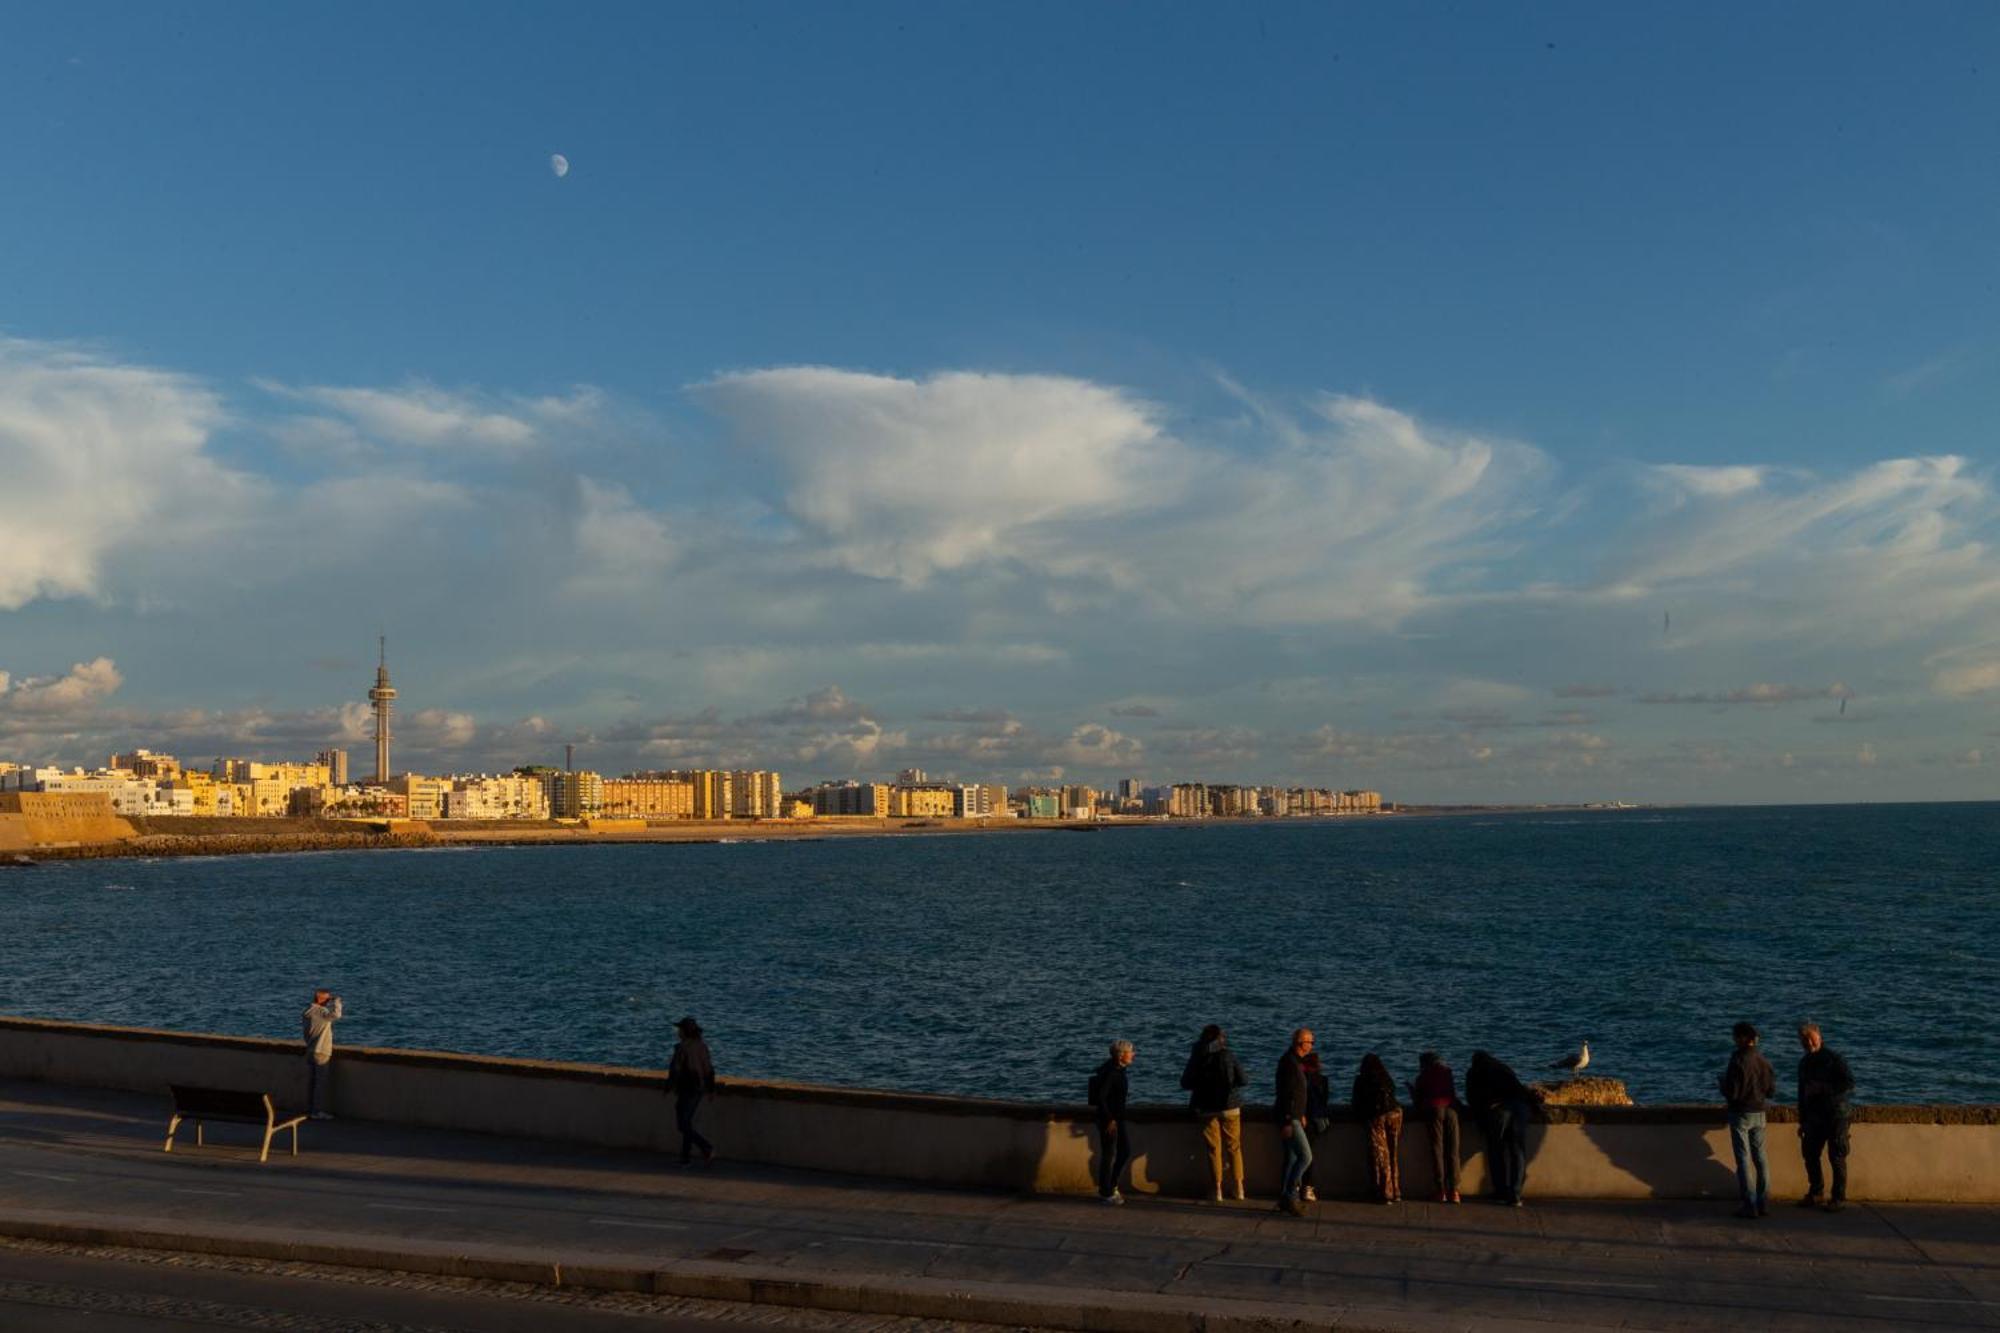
178, 836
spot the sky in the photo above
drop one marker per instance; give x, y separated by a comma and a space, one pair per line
1474, 403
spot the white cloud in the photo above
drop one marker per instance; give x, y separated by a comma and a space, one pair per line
425, 416
82, 688
1710, 482
904, 478
1351, 510
1094, 745
99, 459
620, 547
1967, 678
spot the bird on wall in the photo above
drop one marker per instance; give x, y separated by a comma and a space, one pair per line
1576, 1061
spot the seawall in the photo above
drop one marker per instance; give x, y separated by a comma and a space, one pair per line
33, 821
1937, 1154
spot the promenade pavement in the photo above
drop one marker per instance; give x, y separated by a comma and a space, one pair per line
85, 1166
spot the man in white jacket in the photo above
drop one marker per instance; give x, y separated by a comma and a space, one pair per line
320, 1016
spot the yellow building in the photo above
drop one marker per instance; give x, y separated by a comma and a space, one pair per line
648, 798
574, 795
424, 797
926, 802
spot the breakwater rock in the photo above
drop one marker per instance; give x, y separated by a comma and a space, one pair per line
240, 844
1587, 1091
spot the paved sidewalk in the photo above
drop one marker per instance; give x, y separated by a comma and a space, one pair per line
84, 1165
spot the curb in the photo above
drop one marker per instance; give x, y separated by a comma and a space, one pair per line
921, 1298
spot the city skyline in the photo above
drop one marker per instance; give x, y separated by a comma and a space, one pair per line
1554, 404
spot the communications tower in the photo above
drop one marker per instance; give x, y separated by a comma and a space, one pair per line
383, 696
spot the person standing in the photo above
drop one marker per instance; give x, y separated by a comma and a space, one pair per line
1825, 1083
1319, 1118
320, 1016
1747, 1084
1109, 1088
1374, 1100
1294, 1095
1501, 1101
690, 1077
1434, 1097
1214, 1081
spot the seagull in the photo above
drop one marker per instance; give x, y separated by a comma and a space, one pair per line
1575, 1062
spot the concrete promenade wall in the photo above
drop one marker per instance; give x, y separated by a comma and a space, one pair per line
1944, 1154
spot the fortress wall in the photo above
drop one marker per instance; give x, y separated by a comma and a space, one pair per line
32, 819
1940, 1154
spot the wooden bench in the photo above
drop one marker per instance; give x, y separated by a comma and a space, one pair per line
242, 1108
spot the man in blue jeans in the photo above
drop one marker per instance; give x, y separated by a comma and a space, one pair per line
1291, 1108
1747, 1085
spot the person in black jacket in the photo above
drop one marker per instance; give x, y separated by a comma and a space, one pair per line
1825, 1083
1319, 1117
1747, 1084
690, 1077
1294, 1090
1501, 1101
1214, 1081
1374, 1101
1109, 1088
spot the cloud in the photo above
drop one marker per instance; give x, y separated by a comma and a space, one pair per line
1094, 745
910, 479
1754, 694
620, 548
1133, 710
83, 687
424, 416
1966, 679
1709, 482
1585, 691
102, 460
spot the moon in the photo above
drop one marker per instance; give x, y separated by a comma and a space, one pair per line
559, 164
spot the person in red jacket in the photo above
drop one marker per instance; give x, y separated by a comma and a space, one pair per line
1434, 1099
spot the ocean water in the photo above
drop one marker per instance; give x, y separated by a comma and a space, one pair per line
1001, 964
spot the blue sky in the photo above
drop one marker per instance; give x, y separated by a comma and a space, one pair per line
1508, 403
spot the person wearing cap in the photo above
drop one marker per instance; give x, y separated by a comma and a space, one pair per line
690, 1077
1747, 1085
319, 1018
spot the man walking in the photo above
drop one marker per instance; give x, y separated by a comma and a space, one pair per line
320, 1016
1291, 1108
1747, 1084
690, 1077
1214, 1081
1824, 1087
1108, 1089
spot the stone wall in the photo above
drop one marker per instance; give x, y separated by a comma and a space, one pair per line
1946, 1154
33, 821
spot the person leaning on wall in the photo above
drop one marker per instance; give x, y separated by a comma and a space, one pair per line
1214, 1081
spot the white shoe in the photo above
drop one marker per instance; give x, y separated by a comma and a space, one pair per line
1113, 1198
1240, 1195
322, 1115
1218, 1194
1308, 1195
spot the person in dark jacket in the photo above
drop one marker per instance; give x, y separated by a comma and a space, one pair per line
1747, 1084
1109, 1088
1319, 1117
1214, 1080
1294, 1091
1825, 1084
1501, 1101
1374, 1100
690, 1077
1434, 1098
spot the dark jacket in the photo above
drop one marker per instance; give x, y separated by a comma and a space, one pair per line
690, 1073
1292, 1087
1373, 1095
1319, 1094
1824, 1085
1112, 1089
1748, 1082
1490, 1084
1214, 1078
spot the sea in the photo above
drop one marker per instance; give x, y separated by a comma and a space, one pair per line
1002, 964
